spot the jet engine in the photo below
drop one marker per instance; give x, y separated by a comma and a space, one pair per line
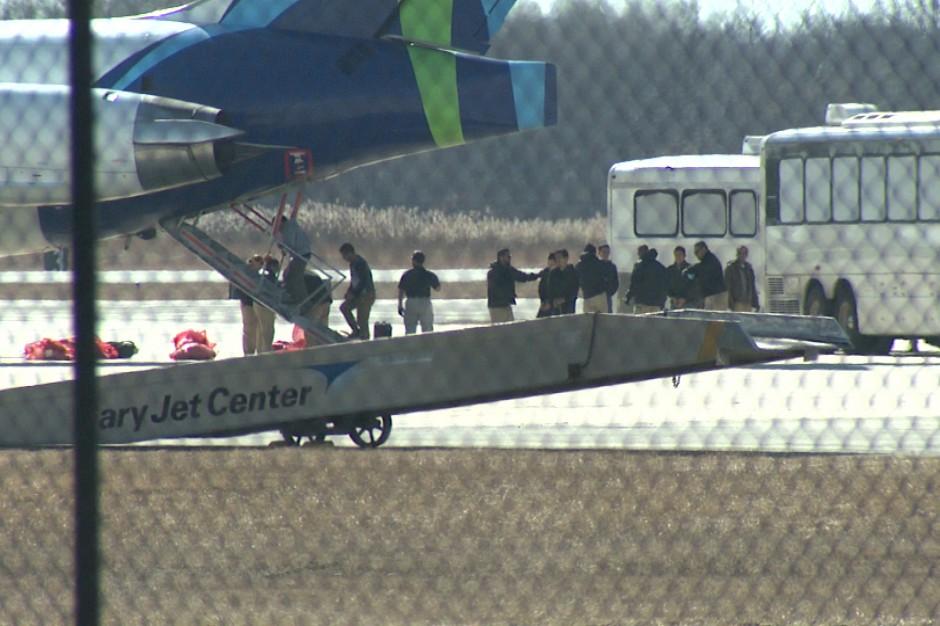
142, 144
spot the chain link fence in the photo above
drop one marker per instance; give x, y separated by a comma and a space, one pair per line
584, 469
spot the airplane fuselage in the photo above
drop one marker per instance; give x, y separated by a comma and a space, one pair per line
242, 111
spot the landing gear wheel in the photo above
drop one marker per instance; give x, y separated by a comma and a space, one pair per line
371, 432
815, 303
846, 314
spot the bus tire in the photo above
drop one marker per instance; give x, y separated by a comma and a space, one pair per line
815, 302
846, 313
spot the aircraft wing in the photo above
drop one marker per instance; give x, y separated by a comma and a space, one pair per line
461, 24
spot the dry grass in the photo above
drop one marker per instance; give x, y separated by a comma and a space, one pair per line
481, 537
384, 236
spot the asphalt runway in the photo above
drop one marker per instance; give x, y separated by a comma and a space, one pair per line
836, 404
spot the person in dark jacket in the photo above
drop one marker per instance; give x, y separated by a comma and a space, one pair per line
567, 282
680, 283
709, 279
648, 284
501, 287
742, 286
546, 297
611, 277
294, 242
592, 275
361, 293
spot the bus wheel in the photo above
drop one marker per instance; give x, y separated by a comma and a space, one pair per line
847, 316
815, 303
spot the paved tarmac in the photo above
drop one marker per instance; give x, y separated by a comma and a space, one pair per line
836, 404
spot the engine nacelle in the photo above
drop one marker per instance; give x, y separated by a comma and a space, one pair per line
142, 144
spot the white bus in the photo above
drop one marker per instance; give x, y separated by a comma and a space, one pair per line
668, 201
853, 225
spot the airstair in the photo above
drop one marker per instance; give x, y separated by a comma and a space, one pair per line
236, 270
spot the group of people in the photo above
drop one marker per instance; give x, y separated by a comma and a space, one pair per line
414, 294
257, 319
594, 277
701, 286
312, 293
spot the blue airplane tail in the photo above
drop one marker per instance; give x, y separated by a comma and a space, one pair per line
492, 98
459, 24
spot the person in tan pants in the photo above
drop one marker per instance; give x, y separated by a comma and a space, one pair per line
249, 319
265, 316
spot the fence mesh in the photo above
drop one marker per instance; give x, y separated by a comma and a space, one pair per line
675, 468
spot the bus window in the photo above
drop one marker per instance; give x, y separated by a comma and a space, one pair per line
929, 187
902, 188
791, 191
656, 213
845, 189
873, 189
743, 205
703, 213
818, 179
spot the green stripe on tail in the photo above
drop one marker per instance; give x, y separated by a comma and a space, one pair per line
430, 21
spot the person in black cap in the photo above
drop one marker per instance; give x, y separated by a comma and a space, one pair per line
416, 285
501, 286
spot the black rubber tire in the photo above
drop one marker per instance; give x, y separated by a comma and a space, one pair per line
371, 432
815, 302
846, 313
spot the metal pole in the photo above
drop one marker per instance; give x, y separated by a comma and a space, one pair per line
84, 229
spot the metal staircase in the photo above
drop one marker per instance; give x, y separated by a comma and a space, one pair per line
269, 293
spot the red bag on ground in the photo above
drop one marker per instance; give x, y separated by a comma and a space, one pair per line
48, 350
192, 345
63, 350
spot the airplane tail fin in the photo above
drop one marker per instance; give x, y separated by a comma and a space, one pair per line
467, 97
458, 24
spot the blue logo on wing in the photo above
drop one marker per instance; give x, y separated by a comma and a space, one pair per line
332, 371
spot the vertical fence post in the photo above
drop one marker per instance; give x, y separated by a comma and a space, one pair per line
84, 295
